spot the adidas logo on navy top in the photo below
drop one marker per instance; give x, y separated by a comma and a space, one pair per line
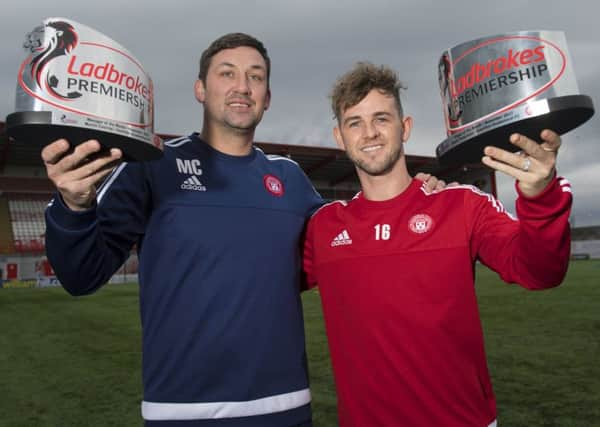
342, 239
193, 183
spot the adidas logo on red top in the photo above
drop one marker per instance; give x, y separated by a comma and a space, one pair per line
341, 239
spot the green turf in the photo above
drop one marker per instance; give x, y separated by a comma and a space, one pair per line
69, 361
76, 361
543, 348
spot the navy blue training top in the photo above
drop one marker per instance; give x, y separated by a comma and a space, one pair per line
218, 240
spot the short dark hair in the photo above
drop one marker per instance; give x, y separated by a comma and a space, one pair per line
231, 41
350, 88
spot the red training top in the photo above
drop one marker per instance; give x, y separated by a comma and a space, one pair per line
396, 280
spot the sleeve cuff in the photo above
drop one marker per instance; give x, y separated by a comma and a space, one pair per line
68, 219
555, 197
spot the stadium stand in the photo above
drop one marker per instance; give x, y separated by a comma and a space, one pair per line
6, 233
26, 214
22, 204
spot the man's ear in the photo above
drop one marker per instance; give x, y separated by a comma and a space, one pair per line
268, 100
337, 134
199, 91
407, 125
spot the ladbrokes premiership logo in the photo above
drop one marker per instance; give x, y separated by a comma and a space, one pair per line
78, 70
490, 76
494, 86
77, 83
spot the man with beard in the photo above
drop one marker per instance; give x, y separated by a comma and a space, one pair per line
217, 225
395, 265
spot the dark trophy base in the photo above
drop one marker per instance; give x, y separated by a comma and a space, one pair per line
36, 128
565, 113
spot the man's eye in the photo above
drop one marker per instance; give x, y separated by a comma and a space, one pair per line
227, 73
257, 77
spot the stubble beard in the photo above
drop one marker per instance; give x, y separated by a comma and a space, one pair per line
239, 124
242, 128
378, 168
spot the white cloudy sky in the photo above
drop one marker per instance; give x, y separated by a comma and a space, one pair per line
311, 42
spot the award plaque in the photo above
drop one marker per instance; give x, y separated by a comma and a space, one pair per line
495, 86
78, 84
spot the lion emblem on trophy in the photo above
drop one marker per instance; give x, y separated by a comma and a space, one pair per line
452, 109
46, 43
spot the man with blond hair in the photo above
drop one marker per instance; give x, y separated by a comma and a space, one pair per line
395, 266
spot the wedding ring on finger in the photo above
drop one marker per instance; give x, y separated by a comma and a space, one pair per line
526, 165
549, 149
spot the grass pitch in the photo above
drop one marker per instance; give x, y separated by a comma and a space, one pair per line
68, 361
